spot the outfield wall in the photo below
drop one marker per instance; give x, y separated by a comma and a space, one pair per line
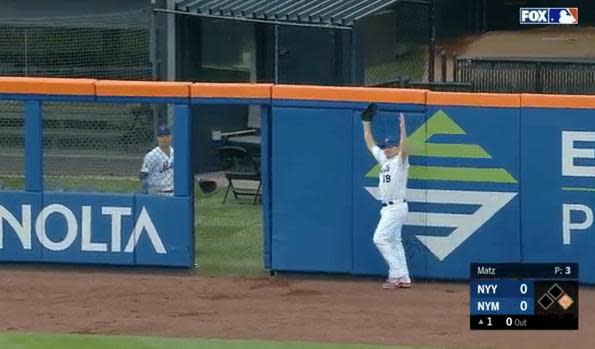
41, 225
493, 178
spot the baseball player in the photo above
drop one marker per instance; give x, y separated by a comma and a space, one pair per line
394, 167
157, 171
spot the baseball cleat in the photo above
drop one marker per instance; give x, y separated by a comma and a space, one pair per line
391, 283
395, 283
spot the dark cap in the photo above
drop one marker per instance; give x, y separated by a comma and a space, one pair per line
389, 142
163, 131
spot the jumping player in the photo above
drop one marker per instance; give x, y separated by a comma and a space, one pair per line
157, 171
394, 167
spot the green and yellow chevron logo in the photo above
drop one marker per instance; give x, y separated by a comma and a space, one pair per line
441, 124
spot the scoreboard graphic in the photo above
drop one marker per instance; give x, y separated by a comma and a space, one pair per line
514, 296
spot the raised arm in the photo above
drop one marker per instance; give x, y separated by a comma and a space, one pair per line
368, 137
403, 145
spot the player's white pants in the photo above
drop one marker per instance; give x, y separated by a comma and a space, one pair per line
387, 238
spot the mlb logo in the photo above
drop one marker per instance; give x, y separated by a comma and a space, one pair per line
564, 15
533, 15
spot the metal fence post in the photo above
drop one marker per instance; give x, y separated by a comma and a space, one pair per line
443, 65
33, 146
454, 67
432, 46
538, 78
183, 175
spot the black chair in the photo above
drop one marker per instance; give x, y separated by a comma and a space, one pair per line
239, 164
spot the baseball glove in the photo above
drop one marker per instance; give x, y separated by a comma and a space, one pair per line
207, 186
369, 113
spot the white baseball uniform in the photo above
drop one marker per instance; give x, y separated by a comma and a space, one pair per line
387, 237
160, 169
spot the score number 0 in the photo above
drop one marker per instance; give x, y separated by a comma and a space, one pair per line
523, 304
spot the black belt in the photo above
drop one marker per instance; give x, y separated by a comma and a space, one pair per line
384, 204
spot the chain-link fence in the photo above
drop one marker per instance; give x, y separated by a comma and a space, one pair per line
509, 75
396, 44
108, 46
12, 144
98, 147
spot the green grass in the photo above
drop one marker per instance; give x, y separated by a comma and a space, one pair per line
43, 341
13, 182
93, 184
228, 237
77, 183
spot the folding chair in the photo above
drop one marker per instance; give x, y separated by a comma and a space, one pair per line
238, 164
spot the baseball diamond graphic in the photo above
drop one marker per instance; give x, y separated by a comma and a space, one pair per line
464, 224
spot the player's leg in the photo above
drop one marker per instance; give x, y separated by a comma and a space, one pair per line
384, 241
401, 269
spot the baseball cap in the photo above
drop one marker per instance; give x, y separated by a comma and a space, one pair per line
163, 131
388, 143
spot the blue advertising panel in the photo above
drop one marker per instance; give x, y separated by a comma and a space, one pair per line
163, 231
558, 183
96, 229
472, 203
86, 228
18, 215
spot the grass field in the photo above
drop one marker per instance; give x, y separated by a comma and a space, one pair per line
228, 237
45, 341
